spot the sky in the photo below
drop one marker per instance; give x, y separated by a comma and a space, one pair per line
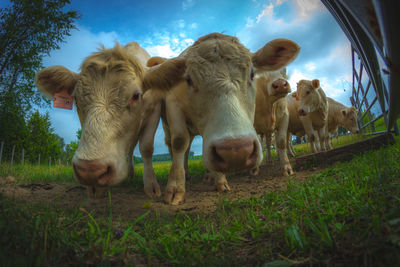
166, 28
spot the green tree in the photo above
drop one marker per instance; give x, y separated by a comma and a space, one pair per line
72, 147
41, 139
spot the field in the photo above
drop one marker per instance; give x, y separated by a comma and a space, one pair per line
346, 214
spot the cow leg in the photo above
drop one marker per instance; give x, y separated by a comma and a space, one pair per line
180, 138
187, 176
322, 136
312, 137
290, 145
268, 142
221, 184
146, 147
281, 144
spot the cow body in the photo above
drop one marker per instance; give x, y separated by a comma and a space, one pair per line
112, 110
210, 92
272, 115
308, 113
338, 115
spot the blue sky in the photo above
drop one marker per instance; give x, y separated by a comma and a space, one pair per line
166, 28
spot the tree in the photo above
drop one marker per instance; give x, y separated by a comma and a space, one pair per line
41, 139
29, 29
72, 147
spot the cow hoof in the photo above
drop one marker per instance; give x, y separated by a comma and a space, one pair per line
222, 187
174, 199
254, 171
178, 199
153, 190
95, 192
287, 171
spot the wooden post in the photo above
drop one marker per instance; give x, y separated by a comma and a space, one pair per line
50, 162
59, 162
12, 155
1, 149
22, 156
39, 160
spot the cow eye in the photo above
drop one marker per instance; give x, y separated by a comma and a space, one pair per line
252, 75
189, 80
135, 97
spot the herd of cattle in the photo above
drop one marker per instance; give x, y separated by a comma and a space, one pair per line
216, 88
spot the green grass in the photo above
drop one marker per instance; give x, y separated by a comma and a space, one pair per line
348, 214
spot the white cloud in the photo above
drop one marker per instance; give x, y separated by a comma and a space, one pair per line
186, 4
268, 11
306, 8
162, 51
310, 66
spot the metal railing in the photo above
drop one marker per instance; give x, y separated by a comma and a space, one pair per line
368, 26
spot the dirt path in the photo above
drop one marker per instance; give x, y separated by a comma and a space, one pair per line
128, 203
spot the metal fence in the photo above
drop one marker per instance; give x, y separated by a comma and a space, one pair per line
369, 26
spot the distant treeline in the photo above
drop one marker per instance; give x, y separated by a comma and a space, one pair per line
165, 157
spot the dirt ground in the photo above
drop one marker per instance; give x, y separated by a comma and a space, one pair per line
201, 198
129, 203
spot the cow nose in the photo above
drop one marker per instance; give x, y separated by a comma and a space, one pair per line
93, 173
234, 154
281, 86
302, 112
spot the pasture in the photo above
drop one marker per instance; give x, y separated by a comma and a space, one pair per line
345, 214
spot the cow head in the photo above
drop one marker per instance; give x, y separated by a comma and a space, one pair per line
307, 95
108, 96
273, 84
217, 73
349, 119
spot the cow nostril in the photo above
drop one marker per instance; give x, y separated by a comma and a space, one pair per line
105, 177
216, 156
253, 156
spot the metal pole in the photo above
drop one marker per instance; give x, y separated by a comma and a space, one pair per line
39, 160
22, 156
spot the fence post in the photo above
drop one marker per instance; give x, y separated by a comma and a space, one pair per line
39, 160
59, 162
22, 156
50, 162
1, 149
12, 155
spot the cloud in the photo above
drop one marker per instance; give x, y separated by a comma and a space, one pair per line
306, 8
186, 4
267, 11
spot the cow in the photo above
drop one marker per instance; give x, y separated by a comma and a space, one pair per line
338, 115
209, 91
272, 115
114, 113
308, 113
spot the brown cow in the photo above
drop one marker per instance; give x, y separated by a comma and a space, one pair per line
272, 115
308, 113
112, 110
210, 92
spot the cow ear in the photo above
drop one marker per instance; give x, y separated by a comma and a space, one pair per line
315, 83
344, 112
166, 75
54, 79
275, 55
154, 61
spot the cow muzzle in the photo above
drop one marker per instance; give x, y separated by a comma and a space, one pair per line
93, 173
280, 87
234, 154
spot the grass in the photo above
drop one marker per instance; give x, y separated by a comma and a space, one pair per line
348, 214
